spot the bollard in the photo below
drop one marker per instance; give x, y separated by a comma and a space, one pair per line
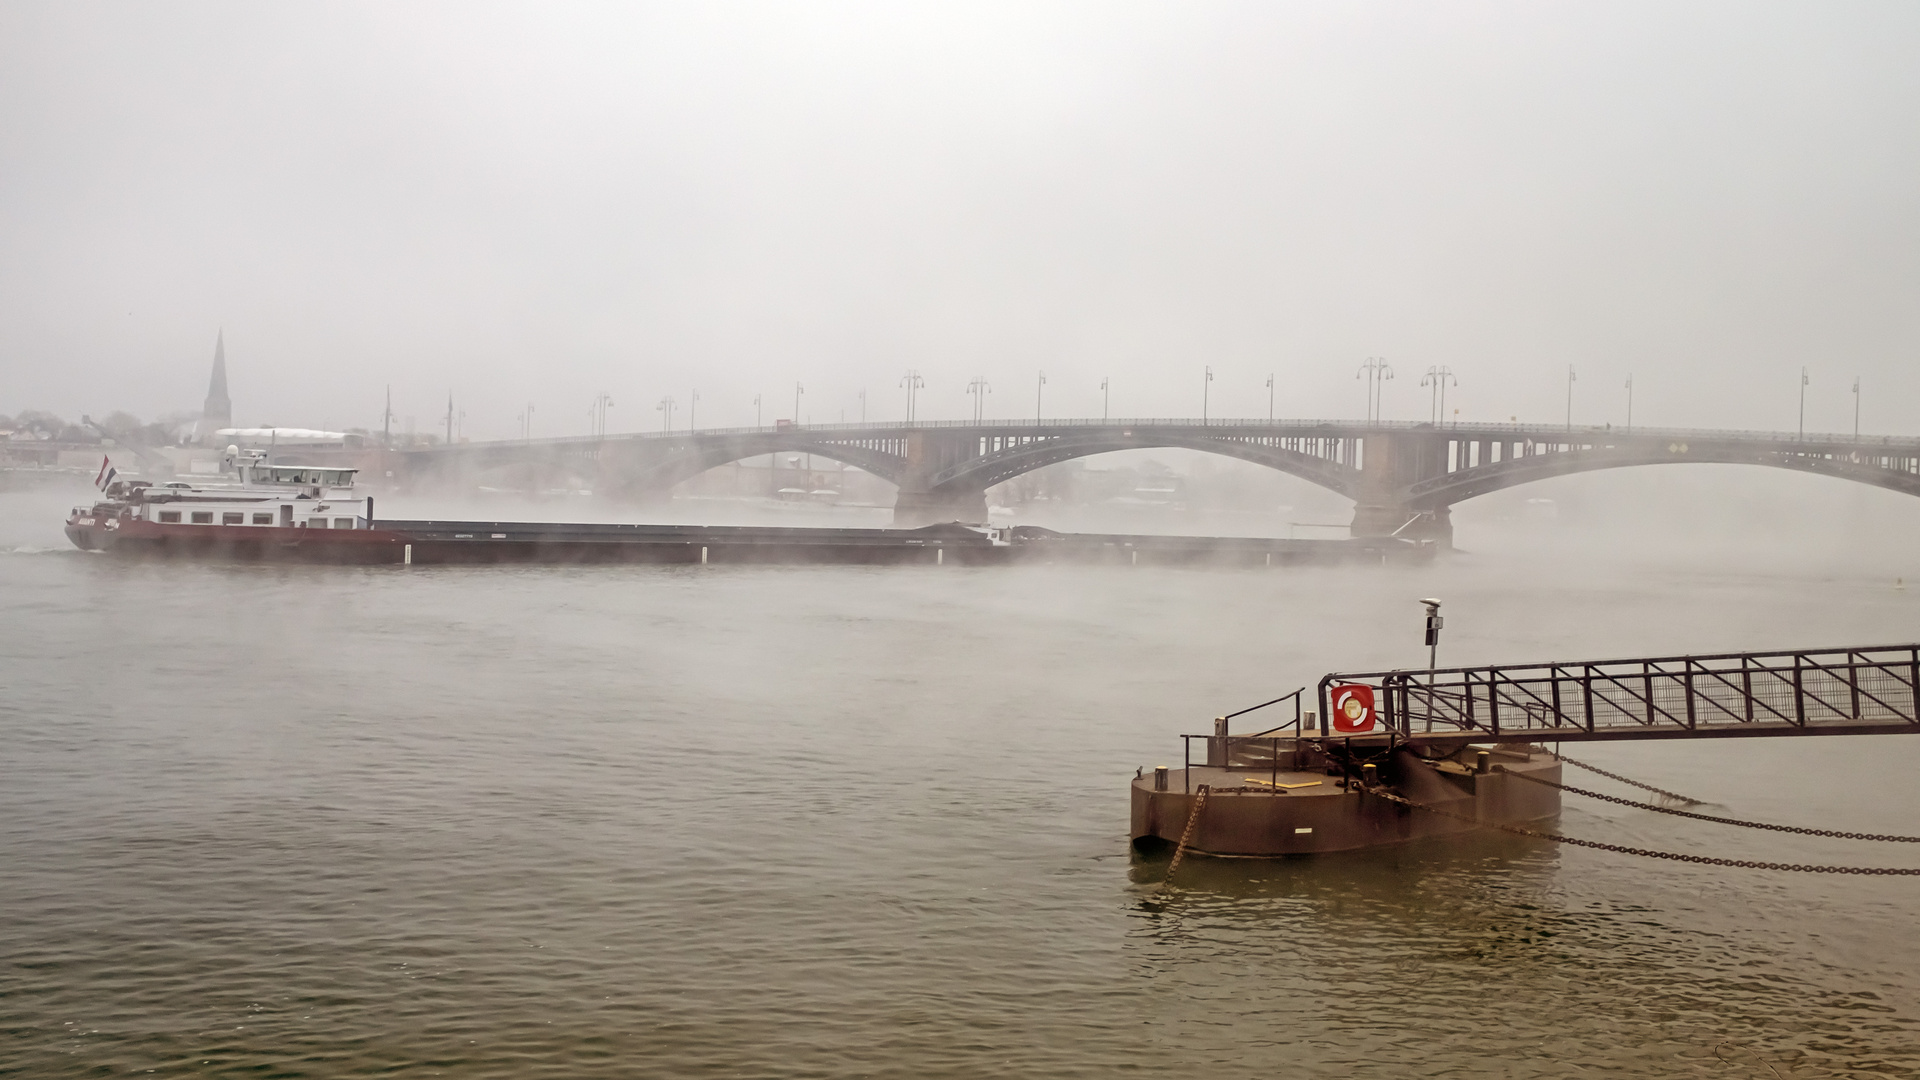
703, 556
407, 556
1369, 776
1480, 763
1159, 778
939, 556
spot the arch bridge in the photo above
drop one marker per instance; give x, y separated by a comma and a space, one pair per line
1404, 478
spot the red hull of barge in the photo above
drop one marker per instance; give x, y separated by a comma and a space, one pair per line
239, 543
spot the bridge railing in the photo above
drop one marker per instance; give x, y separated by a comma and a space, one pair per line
1834, 691
1545, 434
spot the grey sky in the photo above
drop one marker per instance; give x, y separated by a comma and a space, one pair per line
534, 203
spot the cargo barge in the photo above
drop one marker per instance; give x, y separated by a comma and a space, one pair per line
291, 513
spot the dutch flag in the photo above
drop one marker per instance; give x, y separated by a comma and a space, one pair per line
107, 473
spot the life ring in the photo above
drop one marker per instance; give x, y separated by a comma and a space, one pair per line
1353, 708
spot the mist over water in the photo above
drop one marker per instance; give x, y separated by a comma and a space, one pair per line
839, 822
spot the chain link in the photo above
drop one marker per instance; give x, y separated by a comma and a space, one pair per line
1705, 860
1710, 817
1630, 783
1186, 837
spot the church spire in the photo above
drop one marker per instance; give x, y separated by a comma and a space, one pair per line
218, 411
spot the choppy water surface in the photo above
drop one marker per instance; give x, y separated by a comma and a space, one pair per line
835, 822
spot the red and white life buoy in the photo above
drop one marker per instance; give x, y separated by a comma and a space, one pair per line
1352, 708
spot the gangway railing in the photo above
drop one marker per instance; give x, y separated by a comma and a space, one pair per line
1847, 691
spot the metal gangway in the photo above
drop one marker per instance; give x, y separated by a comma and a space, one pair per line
1844, 691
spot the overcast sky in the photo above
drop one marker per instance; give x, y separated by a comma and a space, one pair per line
534, 203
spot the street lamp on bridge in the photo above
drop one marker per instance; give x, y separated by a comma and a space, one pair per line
979, 389
1629, 402
598, 413
1376, 371
913, 382
1571, 377
1105, 398
1206, 389
1269, 398
1038, 388
797, 391
757, 419
1803, 402
1438, 378
666, 411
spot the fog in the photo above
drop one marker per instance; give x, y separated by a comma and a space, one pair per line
532, 204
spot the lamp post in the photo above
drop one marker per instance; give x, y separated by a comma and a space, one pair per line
757, 420
1803, 402
1038, 388
1571, 377
913, 382
978, 387
863, 405
1376, 371
1206, 390
1856, 406
1629, 403
666, 412
797, 391
693, 411
1106, 398
1269, 398
1438, 377
598, 413
1434, 623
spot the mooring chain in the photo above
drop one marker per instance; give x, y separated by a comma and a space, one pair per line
1631, 783
1187, 836
1702, 859
1710, 817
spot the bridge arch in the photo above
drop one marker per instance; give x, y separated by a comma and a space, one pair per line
986, 470
1442, 492
655, 468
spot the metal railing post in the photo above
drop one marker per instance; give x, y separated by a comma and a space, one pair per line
1799, 694
1913, 671
1586, 693
1686, 682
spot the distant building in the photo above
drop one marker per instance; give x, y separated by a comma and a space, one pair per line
218, 411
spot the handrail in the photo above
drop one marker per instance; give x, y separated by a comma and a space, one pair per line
1831, 691
1542, 434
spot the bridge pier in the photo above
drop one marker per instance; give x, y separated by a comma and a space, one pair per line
1405, 522
912, 509
1390, 463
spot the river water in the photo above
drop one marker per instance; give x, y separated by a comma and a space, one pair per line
854, 822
